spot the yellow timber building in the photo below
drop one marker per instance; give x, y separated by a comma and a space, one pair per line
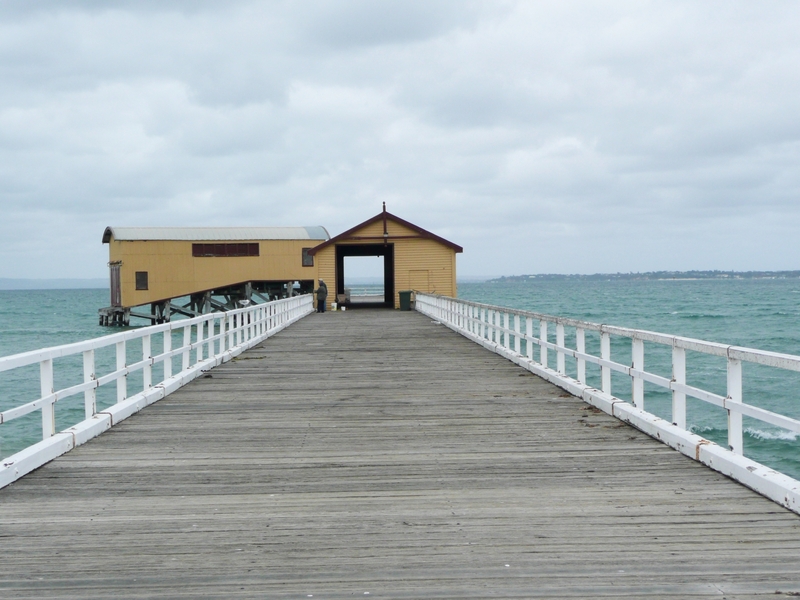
414, 259
194, 270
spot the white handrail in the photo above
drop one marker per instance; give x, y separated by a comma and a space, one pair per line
492, 327
214, 338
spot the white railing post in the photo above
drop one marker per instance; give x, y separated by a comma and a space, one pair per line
605, 371
637, 383
122, 381
516, 334
580, 346
210, 337
528, 336
147, 371
560, 362
167, 349
543, 338
89, 396
48, 407
679, 377
505, 320
735, 435
199, 339
187, 342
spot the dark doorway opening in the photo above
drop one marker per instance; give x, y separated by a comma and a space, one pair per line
384, 250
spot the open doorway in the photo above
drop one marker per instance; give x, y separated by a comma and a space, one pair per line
364, 278
365, 263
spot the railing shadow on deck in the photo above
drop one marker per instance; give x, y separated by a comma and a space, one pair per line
492, 327
166, 349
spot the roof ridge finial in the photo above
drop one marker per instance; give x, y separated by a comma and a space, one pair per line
384, 207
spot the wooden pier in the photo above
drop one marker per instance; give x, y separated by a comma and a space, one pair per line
376, 454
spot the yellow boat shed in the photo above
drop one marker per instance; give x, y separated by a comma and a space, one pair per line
414, 259
194, 270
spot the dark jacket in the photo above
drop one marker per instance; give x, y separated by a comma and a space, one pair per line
322, 292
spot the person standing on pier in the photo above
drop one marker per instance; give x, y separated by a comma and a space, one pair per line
322, 296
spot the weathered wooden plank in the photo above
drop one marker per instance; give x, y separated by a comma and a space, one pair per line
375, 451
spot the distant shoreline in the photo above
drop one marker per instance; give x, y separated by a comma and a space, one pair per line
654, 276
10, 284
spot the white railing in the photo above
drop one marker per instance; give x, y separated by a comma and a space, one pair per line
516, 334
206, 341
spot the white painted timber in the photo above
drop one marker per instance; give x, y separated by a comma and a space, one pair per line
774, 485
266, 319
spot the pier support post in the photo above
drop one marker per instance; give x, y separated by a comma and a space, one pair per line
200, 303
160, 312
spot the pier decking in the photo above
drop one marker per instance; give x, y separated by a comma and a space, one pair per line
378, 454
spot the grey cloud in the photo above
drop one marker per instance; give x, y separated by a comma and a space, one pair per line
357, 23
540, 136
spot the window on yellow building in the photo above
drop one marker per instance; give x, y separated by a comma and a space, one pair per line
141, 280
308, 259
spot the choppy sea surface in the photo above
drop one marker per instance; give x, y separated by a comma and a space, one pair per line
763, 313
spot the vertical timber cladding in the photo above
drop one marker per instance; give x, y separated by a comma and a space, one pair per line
204, 259
422, 260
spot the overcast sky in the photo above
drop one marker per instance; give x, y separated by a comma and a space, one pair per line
543, 137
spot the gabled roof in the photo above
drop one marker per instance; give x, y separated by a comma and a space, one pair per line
423, 233
215, 233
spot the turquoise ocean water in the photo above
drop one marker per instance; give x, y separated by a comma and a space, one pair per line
762, 314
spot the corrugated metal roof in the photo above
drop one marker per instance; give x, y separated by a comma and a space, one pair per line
215, 233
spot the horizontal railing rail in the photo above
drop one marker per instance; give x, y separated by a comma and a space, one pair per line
507, 330
203, 342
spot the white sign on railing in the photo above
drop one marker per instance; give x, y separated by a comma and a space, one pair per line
492, 327
207, 341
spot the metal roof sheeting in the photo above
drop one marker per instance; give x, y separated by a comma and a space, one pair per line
215, 233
